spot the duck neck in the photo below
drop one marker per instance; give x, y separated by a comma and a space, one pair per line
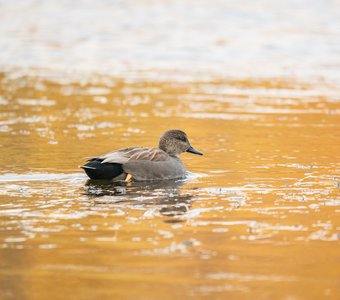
167, 150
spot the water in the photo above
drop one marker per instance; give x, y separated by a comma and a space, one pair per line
257, 216
195, 39
259, 211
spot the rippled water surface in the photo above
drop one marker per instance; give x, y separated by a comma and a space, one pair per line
257, 216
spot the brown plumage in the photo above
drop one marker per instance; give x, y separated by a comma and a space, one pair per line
143, 163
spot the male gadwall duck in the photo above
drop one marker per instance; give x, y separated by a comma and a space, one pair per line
137, 163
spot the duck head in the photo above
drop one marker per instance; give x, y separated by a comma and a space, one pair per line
174, 142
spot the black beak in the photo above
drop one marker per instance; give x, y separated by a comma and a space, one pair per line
194, 151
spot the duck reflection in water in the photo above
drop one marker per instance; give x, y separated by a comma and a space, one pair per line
166, 196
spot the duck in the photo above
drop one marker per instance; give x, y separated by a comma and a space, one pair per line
141, 163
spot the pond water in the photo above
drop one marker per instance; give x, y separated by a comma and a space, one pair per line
257, 216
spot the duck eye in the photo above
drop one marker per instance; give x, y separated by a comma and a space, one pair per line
181, 138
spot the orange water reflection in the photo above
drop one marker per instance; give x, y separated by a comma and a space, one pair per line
258, 218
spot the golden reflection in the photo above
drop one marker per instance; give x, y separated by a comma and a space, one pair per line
256, 218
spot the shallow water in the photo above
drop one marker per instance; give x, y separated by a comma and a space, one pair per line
256, 218
255, 84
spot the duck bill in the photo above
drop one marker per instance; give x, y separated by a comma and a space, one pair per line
194, 151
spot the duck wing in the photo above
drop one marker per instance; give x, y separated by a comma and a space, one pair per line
131, 154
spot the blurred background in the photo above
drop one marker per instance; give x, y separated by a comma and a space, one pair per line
195, 38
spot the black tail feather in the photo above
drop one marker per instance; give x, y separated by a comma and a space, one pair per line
96, 170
